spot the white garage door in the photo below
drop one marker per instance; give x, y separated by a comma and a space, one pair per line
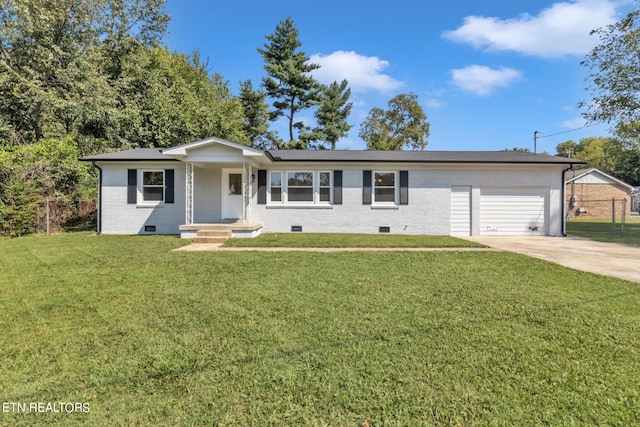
460, 210
508, 211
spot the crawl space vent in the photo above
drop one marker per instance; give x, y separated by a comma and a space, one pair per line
296, 228
150, 228
384, 229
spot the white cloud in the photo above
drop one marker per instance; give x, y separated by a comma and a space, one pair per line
483, 80
562, 29
364, 73
433, 103
576, 123
434, 99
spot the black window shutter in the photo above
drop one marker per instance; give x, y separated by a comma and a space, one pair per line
262, 187
132, 186
366, 187
404, 187
168, 186
337, 187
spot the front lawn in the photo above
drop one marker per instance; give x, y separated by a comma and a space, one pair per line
326, 240
151, 337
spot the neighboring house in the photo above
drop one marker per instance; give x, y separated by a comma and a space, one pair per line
590, 193
182, 189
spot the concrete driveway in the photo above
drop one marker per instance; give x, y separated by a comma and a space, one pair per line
609, 259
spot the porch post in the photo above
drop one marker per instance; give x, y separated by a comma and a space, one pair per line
189, 194
250, 192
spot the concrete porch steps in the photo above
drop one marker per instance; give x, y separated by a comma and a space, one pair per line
220, 231
220, 235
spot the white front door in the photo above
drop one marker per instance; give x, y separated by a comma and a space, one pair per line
232, 193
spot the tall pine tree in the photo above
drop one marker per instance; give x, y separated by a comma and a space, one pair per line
289, 82
332, 115
256, 113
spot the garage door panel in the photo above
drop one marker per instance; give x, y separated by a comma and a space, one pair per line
460, 210
512, 211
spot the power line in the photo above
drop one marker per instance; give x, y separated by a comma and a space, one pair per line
570, 130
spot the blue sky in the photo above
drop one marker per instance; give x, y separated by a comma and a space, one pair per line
487, 73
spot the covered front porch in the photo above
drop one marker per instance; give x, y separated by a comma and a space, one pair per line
219, 186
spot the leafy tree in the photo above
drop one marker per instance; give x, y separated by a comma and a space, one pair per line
614, 78
19, 206
520, 149
628, 132
403, 124
172, 99
599, 152
332, 114
53, 61
610, 155
629, 167
144, 21
289, 82
256, 113
567, 149
29, 173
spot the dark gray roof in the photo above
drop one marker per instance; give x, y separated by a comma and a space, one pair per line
416, 156
363, 156
135, 154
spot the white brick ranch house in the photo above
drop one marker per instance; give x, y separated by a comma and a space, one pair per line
181, 190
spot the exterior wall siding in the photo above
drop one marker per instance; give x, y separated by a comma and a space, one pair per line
428, 211
118, 217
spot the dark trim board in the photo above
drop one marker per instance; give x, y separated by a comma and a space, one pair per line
132, 186
337, 187
262, 187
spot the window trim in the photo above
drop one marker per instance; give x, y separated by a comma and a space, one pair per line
312, 186
141, 187
270, 201
328, 187
284, 186
396, 187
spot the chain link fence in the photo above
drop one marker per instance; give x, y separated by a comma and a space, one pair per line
615, 220
59, 214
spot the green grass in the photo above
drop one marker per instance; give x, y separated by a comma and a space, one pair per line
152, 337
601, 230
326, 240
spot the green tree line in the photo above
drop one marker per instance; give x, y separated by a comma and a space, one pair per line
608, 154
